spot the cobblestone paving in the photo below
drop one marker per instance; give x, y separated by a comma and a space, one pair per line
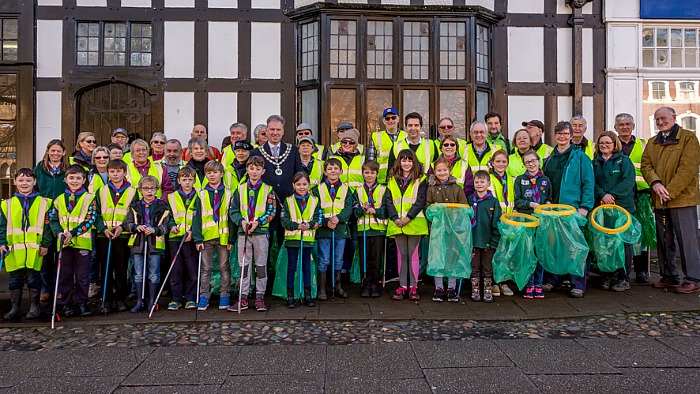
640, 325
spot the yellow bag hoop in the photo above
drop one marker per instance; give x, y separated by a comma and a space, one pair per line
454, 205
549, 209
505, 218
608, 230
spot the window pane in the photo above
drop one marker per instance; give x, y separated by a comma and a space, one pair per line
677, 37
9, 29
648, 37
662, 58
418, 101
9, 50
691, 58
309, 111
377, 101
661, 37
648, 57
342, 108
379, 49
416, 51
452, 46
482, 54
8, 132
690, 37
482, 104
343, 52
453, 105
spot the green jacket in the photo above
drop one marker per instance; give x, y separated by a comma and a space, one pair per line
485, 233
577, 181
524, 195
616, 177
287, 224
48, 185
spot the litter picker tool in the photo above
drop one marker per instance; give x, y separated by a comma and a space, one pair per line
54, 316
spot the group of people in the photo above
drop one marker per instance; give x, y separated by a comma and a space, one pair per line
106, 206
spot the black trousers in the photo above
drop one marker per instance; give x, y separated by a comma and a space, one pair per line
375, 258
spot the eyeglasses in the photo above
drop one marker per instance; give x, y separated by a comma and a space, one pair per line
304, 133
101, 157
563, 134
149, 188
449, 145
158, 142
120, 137
347, 142
528, 162
446, 127
391, 117
605, 143
90, 141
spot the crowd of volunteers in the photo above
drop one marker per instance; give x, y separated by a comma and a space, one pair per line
119, 223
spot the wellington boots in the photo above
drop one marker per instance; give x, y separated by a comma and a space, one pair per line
476, 293
152, 293
139, 298
16, 299
488, 295
291, 304
308, 301
322, 287
338, 287
34, 309
366, 292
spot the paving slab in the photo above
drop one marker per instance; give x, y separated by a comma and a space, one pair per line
181, 389
15, 365
275, 359
292, 384
343, 310
53, 385
184, 365
688, 346
554, 305
385, 308
363, 386
659, 380
534, 356
597, 302
502, 307
459, 354
88, 362
637, 353
586, 384
478, 380
381, 361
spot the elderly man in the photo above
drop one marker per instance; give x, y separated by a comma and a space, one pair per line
199, 131
121, 138
633, 148
141, 166
578, 138
304, 131
494, 123
670, 166
478, 152
172, 161
382, 142
535, 128
238, 132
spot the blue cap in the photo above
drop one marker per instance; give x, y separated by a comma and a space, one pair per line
390, 110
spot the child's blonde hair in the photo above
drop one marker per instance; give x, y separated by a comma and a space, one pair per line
150, 180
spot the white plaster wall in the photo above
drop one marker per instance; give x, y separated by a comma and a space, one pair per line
178, 114
223, 49
223, 3
566, 105
522, 109
179, 50
564, 54
48, 120
397, 2
525, 54
265, 50
525, 6
562, 8
91, 3
223, 111
270, 4
49, 3
136, 3
623, 46
49, 48
587, 52
179, 3
263, 105
620, 10
623, 95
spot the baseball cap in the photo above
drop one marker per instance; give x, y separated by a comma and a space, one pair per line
119, 130
535, 123
390, 110
305, 139
344, 126
242, 145
303, 126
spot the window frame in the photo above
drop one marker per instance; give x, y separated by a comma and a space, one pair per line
3, 18
654, 48
101, 47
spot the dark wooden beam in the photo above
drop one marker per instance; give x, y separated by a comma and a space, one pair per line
577, 61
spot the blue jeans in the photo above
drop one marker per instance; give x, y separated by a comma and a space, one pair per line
537, 277
292, 259
17, 278
324, 253
152, 268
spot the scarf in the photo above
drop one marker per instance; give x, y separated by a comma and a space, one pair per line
147, 210
370, 193
73, 197
302, 200
24, 199
533, 183
477, 200
332, 188
252, 189
504, 183
186, 197
54, 170
118, 191
217, 199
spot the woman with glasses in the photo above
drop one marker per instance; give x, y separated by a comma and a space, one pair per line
614, 184
84, 145
522, 142
449, 146
158, 140
446, 128
97, 176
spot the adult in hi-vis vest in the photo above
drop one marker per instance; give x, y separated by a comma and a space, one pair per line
141, 165
478, 152
633, 148
578, 138
536, 128
424, 148
382, 142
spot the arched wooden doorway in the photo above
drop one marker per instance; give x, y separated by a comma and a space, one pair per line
105, 106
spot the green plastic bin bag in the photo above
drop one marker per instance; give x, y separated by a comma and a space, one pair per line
645, 215
450, 246
559, 242
609, 228
515, 256
215, 281
279, 288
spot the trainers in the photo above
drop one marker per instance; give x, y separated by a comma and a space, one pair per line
452, 295
173, 306
642, 277
529, 292
93, 290
576, 293
606, 283
398, 296
621, 286
413, 294
234, 307
225, 302
539, 292
506, 291
203, 303
496, 291
190, 305
439, 294
665, 282
260, 305
548, 287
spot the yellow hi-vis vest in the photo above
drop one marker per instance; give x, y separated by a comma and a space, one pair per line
155, 170
331, 207
496, 189
544, 151
73, 219
297, 216
425, 152
589, 151
201, 184
370, 222
160, 239
95, 184
403, 202
459, 171
24, 244
114, 215
260, 202
636, 158
212, 229
383, 145
316, 175
473, 160
461, 146
352, 173
230, 179
319, 151
336, 147
181, 215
